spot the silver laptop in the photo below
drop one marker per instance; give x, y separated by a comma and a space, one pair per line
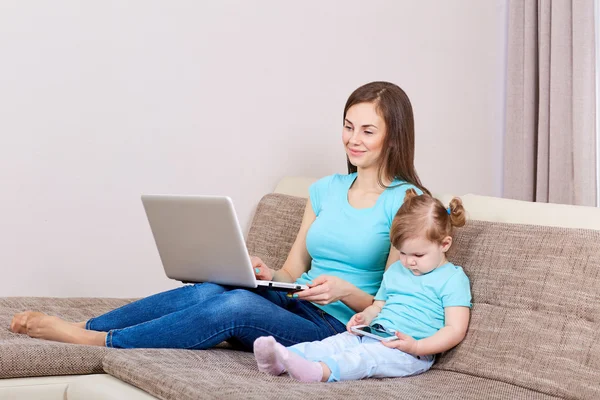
199, 240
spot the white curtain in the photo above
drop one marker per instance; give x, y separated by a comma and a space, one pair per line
551, 137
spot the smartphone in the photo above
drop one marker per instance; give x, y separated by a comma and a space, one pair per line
378, 332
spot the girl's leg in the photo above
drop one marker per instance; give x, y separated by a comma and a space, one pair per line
299, 367
265, 353
154, 306
239, 314
318, 350
301, 360
373, 360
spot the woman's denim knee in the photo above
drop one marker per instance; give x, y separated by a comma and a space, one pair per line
155, 306
239, 301
238, 314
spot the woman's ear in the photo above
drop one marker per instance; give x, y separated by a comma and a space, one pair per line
446, 243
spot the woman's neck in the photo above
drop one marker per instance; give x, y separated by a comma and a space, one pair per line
367, 180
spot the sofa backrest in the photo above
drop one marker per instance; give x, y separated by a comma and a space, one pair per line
496, 209
535, 321
536, 290
486, 208
274, 227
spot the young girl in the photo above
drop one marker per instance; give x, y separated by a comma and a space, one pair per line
424, 298
340, 252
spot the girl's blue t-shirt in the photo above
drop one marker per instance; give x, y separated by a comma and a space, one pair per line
414, 304
352, 244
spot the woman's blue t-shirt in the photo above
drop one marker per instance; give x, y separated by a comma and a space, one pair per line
352, 244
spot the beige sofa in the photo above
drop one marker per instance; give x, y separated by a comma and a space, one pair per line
534, 333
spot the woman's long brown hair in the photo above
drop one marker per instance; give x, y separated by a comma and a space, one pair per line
398, 154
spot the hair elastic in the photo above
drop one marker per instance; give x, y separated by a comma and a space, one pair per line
449, 211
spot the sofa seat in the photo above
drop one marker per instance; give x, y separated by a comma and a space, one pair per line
231, 374
22, 356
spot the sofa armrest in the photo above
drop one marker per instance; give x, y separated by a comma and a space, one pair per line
104, 387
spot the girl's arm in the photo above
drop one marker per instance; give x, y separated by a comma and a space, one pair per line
365, 317
372, 311
298, 259
454, 331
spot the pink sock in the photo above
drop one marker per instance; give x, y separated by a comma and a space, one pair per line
265, 354
298, 367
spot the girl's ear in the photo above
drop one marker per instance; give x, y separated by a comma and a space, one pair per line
446, 243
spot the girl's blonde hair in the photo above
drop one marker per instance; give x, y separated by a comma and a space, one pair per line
424, 215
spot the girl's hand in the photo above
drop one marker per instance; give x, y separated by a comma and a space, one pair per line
325, 289
261, 270
357, 319
404, 343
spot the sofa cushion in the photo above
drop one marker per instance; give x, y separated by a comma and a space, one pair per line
523, 330
274, 228
22, 356
230, 374
536, 316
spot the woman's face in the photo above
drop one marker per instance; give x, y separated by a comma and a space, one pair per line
364, 131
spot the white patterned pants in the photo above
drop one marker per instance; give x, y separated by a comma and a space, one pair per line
351, 357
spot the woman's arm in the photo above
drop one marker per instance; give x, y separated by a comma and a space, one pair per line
298, 259
392, 257
453, 332
326, 289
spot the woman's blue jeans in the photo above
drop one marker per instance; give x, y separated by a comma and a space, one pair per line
203, 315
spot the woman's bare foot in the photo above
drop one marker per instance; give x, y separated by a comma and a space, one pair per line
19, 321
53, 328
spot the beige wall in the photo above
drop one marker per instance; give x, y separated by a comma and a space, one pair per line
101, 101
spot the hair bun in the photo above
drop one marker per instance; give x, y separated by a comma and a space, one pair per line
410, 193
458, 215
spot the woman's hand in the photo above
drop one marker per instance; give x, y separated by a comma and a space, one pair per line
263, 273
404, 343
325, 289
357, 319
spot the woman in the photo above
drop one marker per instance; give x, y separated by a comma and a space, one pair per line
341, 252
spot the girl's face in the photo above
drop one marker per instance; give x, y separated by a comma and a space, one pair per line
364, 131
421, 256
